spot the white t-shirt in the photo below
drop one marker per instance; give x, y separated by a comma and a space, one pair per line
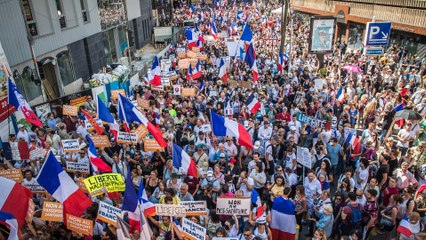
363, 175
312, 188
403, 133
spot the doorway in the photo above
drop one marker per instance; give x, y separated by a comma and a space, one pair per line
50, 81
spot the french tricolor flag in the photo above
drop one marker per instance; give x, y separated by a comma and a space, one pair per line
130, 205
189, 73
352, 139
255, 199
146, 206
280, 62
214, 31
10, 220
154, 76
181, 159
223, 74
105, 115
132, 114
60, 185
283, 223
12, 195
197, 73
97, 163
16, 99
405, 227
251, 61
191, 9
191, 37
226, 127
340, 96
253, 104
200, 45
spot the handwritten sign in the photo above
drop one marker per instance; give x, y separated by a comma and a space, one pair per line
170, 210
143, 103
195, 208
304, 157
34, 187
30, 211
52, 211
233, 83
107, 182
12, 174
108, 213
100, 140
171, 75
36, 153
140, 132
126, 138
78, 101
191, 54
189, 92
233, 206
192, 231
246, 84
78, 167
196, 49
89, 125
181, 52
69, 110
151, 145
114, 93
165, 65
184, 63
79, 225
71, 145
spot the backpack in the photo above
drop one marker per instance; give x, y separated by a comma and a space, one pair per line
356, 215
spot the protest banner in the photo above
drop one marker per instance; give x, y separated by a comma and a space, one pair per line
108, 213
183, 63
170, 210
193, 62
78, 167
36, 153
143, 103
12, 174
124, 138
80, 225
140, 132
313, 122
100, 140
246, 84
195, 208
78, 101
195, 49
181, 53
202, 57
34, 187
52, 211
151, 145
69, 110
207, 128
159, 88
304, 157
171, 75
109, 182
233, 83
191, 54
165, 81
80, 184
89, 125
20, 150
189, 92
233, 206
192, 231
71, 145
165, 65
177, 90
114, 93
30, 211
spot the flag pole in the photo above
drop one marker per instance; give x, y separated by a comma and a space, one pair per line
8, 111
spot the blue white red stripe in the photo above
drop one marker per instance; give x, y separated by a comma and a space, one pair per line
16, 99
181, 159
352, 139
405, 227
60, 185
214, 30
251, 61
154, 76
223, 74
105, 115
197, 73
222, 126
9, 219
283, 220
191, 37
255, 199
12, 195
98, 164
146, 206
253, 104
340, 96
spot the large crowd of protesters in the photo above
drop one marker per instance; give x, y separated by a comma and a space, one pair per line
351, 191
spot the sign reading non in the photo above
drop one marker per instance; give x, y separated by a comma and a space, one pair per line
52, 211
233, 206
170, 210
79, 225
12, 174
378, 33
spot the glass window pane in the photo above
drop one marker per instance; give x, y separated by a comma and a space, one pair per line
65, 69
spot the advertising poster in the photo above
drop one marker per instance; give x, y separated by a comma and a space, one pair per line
322, 34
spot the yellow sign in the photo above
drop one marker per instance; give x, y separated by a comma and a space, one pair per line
80, 225
52, 211
107, 182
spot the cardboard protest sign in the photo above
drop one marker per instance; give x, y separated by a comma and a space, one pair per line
151, 145
195, 208
165, 65
71, 145
69, 110
170, 210
140, 132
12, 174
246, 84
124, 138
36, 153
192, 231
78, 101
89, 125
100, 140
181, 52
189, 92
176, 90
165, 81
207, 128
202, 57
171, 75
108, 213
81, 186
30, 211
191, 54
233, 206
114, 93
78, 167
20, 150
143, 103
183, 63
52, 211
196, 49
233, 83
79, 225
109, 182
193, 62
304, 157
311, 121
34, 187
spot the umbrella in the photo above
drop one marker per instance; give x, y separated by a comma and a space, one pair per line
408, 115
352, 68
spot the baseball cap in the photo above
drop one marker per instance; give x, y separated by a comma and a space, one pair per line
256, 145
20, 126
209, 173
233, 161
222, 155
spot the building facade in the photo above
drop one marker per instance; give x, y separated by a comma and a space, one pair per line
70, 40
408, 19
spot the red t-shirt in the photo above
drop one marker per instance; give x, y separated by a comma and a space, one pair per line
388, 193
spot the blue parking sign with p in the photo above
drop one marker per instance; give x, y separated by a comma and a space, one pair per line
378, 33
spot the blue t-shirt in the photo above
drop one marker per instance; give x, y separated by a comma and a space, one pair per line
333, 153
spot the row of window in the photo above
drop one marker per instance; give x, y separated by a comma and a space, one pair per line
28, 10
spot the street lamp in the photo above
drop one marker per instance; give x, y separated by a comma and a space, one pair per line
284, 13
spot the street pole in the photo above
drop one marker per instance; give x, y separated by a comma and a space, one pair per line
126, 27
284, 13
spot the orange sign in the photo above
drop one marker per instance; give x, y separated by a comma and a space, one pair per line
141, 131
12, 174
30, 211
191, 54
52, 211
181, 55
143, 103
79, 225
193, 62
78, 101
184, 63
202, 57
69, 110
189, 92
151, 145
196, 49
100, 140
114, 93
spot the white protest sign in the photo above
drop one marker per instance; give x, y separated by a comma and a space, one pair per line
233, 206
195, 208
165, 65
71, 145
108, 213
176, 90
124, 138
15, 151
89, 125
304, 157
207, 128
192, 231
78, 167
213, 93
34, 187
170, 210
319, 83
225, 238
36, 153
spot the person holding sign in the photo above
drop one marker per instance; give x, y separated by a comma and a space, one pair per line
166, 227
